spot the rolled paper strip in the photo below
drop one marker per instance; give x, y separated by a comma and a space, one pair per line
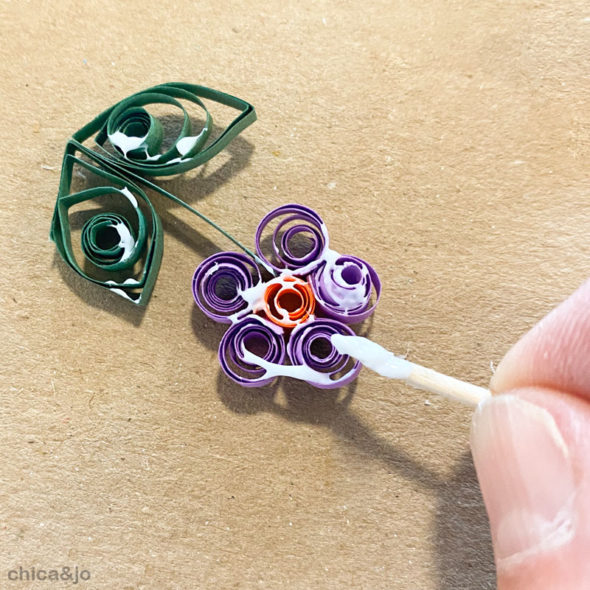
288, 301
137, 136
310, 345
112, 241
343, 289
109, 240
297, 223
135, 123
254, 335
219, 281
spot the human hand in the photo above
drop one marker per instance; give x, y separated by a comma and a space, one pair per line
531, 448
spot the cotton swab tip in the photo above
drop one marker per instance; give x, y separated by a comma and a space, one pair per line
380, 360
373, 356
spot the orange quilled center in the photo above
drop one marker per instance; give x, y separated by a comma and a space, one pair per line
288, 301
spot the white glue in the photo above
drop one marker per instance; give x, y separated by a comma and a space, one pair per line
385, 363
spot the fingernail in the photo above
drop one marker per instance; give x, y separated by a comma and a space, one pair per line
526, 477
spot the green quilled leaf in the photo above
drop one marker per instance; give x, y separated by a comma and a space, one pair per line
111, 243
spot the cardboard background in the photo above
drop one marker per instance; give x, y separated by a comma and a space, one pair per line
445, 142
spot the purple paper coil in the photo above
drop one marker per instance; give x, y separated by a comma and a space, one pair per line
344, 289
296, 220
218, 282
310, 345
257, 337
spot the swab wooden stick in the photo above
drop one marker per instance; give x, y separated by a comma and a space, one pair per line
385, 363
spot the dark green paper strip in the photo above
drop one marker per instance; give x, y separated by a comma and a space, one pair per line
136, 137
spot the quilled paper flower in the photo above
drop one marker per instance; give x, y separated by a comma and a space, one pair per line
121, 240
312, 294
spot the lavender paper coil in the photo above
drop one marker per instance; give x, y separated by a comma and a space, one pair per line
218, 281
310, 224
344, 288
250, 333
301, 351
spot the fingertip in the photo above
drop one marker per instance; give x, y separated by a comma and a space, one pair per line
533, 468
555, 353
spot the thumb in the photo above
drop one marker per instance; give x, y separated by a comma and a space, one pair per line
531, 447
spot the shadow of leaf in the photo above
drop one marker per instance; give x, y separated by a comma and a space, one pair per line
98, 297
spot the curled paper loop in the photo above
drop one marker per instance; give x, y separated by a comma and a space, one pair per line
113, 242
298, 227
345, 288
136, 136
219, 282
254, 335
109, 240
310, 345
288, 301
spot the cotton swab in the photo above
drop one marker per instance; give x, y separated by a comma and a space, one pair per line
380, 360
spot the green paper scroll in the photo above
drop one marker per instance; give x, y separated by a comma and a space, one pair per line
121, 249
99, 243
